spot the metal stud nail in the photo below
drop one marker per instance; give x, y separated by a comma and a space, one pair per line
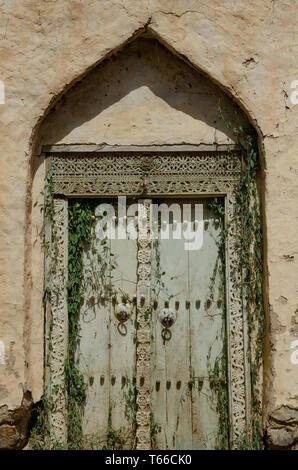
190, 383
177, 305
142, 380
168, 384
178, 384
102, 379
157, 385
113, 379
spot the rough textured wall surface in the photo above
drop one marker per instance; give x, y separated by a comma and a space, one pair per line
250, 50
144, 95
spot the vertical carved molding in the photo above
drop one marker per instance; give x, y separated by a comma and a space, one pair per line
143, 328
236, 338
56, 274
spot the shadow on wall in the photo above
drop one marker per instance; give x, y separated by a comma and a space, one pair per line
142, 95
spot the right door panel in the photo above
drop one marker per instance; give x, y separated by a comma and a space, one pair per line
187, 282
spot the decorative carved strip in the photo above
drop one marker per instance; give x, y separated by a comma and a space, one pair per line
143, 324
57, 320
235, 331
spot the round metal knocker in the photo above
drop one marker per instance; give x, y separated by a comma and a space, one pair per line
123, 312
166, 335
122, 329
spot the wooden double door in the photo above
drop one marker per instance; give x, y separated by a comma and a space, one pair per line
187, 328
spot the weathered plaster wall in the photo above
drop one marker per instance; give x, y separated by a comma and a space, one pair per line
144, 95
250, 49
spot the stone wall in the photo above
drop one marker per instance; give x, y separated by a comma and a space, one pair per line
248, 49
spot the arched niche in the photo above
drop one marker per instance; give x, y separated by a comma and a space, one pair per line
141, 97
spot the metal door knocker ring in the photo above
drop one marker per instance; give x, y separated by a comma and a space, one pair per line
166, 335
167, 318
122, 313
122, 329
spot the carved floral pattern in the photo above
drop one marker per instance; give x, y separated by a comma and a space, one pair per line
120, 174
143, 328
57, 317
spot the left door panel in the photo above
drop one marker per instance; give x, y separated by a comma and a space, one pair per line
107, 352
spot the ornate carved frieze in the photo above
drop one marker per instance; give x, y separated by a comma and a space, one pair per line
112, 174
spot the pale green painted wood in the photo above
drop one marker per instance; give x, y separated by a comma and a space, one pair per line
186, 417
172, 407
122, 350
197, 329
94, 355
206, 326
107, 356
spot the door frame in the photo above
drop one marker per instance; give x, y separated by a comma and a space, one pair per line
95, 171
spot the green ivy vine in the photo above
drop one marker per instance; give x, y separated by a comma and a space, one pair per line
249, 247
80, 225
218, 371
